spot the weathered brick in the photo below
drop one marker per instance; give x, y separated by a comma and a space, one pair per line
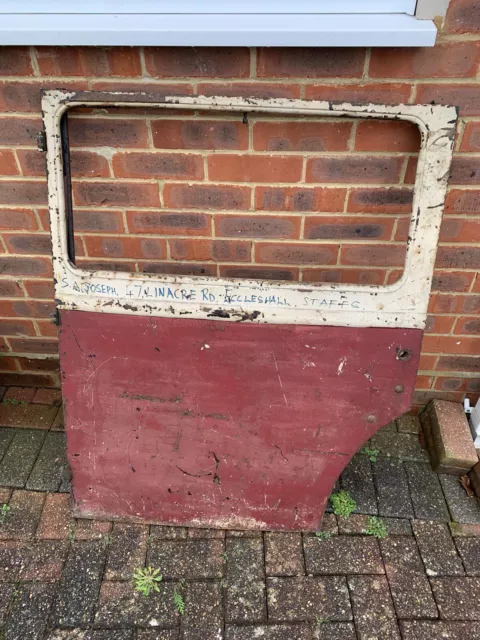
408, 424
57, 522
43, 560
269, 632
51, 397
463, 508
23, 192
179, 196
19, 131
258, 272
104, 634
103, 132
376, 93
425, 630
27, 416
463, 16
167, 533
409, 585
98, 221
173, 166
30, 611
205, 533
464, 96
354, 169
457, 598
15, 61
295, 253
250, 168
357, 479
373, 608
92, 529
469, 549
192, 559
393, 200
51, 471
126, 551
80, 583
303, 599
218, 250
125, 247
116, 194
203, 611
283, 554
262, 90
245, 590
20, 457
392, 488
393, 135
22, 96
316, 199
405, 446
342, 554
199, 134
202, 62
426, 493
171, 223
378, 255
437, 549
257, 226
301, 136
333, 228
448, 438
311, 62
21, 521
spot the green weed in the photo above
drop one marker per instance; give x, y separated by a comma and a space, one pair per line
376, 527
323, 535
4, 510
146, 580
343, 504
371, 453
178, 598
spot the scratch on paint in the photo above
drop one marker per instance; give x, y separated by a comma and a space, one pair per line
280, 380
368, 376
343, 362
97, 369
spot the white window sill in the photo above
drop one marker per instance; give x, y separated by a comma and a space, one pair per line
281, 30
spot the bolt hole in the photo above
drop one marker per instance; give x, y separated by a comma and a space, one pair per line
403, 354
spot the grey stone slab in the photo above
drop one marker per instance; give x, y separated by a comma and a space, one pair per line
203, 611
188, 559
51, 469
245, 599
464, 509
437, 549
373, 609
308, 599
429, 630
405, 446
426, 493
269, 632
392, 488
357, 479
342, 555
284, 554
29, 613
121, 606
469, 549
457, 598
126, 551
20, 457
80, 584
409, 585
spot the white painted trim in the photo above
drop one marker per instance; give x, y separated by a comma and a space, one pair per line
285, 30
403, 304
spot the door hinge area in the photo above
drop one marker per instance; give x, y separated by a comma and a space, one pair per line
41, 141
55, 317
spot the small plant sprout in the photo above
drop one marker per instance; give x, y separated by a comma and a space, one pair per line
376, 527
178, 598
323, 535
371, 453
4, 510
146, 580
343, 504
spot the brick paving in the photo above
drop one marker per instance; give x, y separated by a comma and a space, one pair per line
67, 579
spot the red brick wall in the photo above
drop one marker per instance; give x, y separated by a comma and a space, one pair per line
292, 199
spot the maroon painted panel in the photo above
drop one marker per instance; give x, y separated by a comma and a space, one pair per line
221, 424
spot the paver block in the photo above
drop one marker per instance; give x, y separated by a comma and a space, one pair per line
27, 416
334, 631
426, 493
20, 394
269, 632
51, 471
203, 611
82, 634
52, 397
457, 598
29, 614
167, 533
243, 534
6, 597
5, 495
284, 554
399, 445
158, 634
329, 523
437, 549
356, 524
189, 559
342, 554
373, 608
357, 479
408, 424
59, 421
245, 587
92, 529
80, 583
119, 605
43, 560
409, 585
459, 530
469, 549
57, 522
392, 488
126, 551
425, 630
23, 517
11, 560
448, 437
308, 598
6, 436
463, 508
20, 457
206, 533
